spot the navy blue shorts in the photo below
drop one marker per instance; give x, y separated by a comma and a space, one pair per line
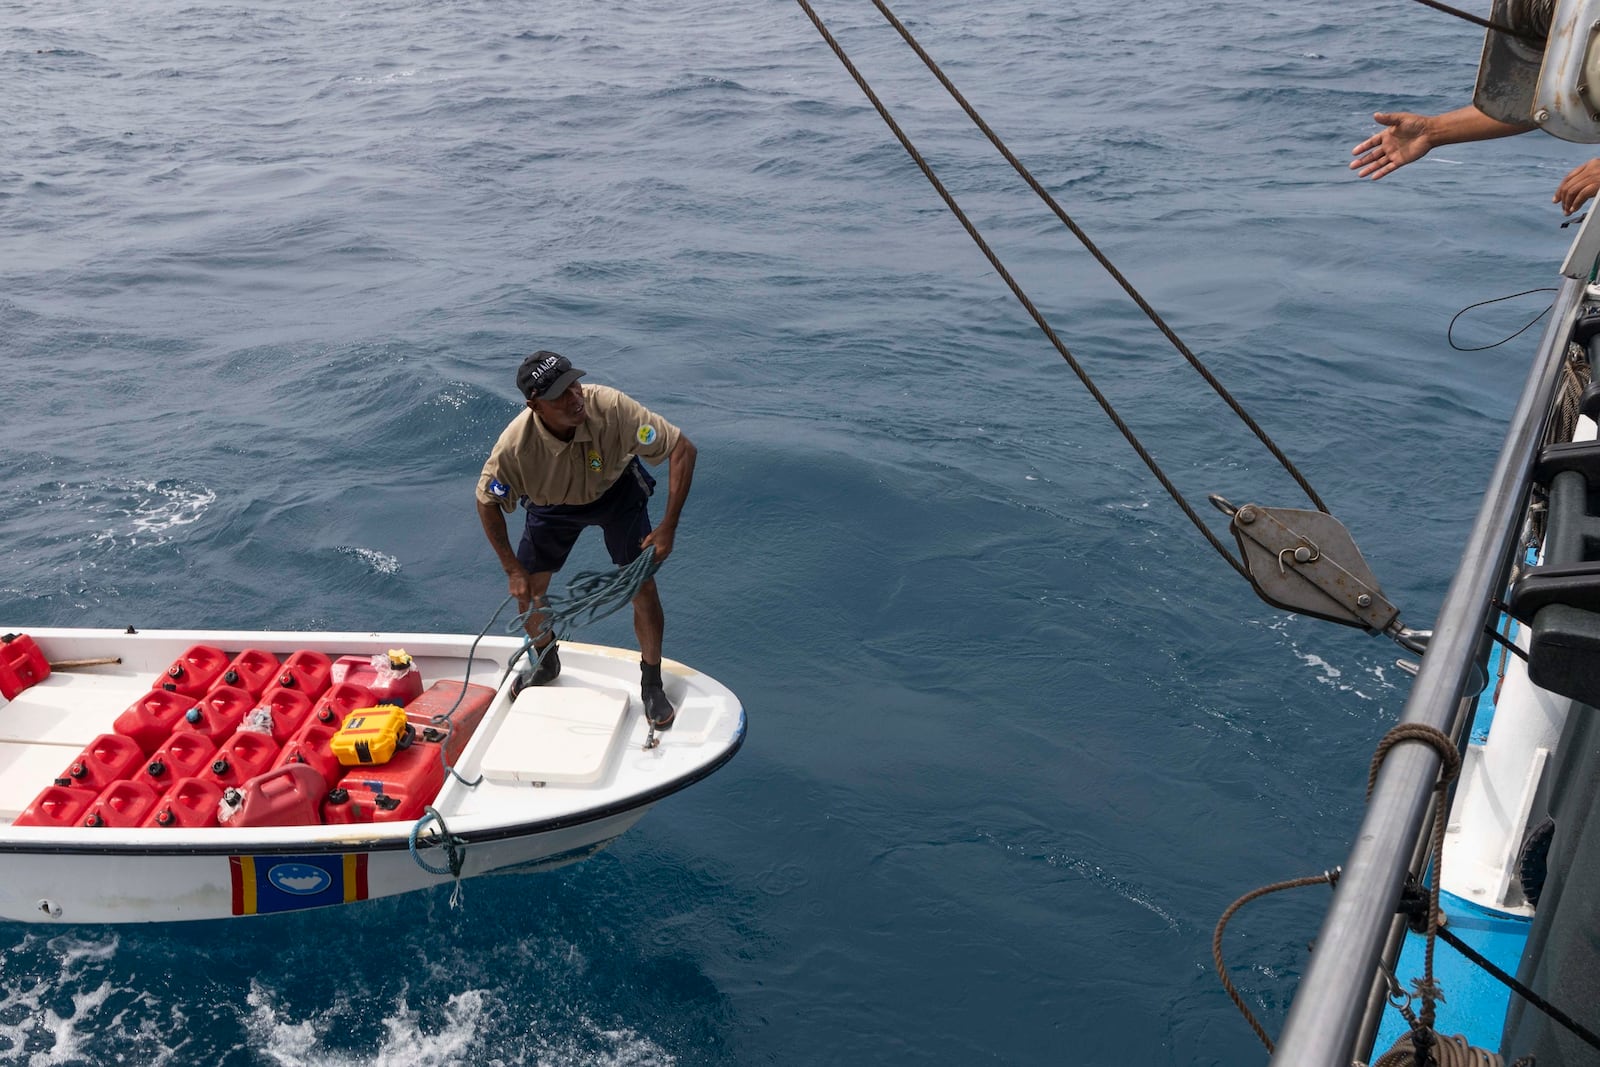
622, 512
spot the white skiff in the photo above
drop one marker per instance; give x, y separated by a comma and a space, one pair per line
541, 781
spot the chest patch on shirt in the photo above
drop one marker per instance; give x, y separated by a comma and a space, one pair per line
646, 434
595, 462
499, 489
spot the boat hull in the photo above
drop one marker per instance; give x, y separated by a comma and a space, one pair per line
65, 887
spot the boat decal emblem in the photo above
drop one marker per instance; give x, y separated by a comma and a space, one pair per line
299, 878
263, 885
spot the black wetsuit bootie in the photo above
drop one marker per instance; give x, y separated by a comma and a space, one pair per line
538, 670
657, 708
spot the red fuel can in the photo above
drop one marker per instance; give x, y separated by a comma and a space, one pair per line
339, 808
241, 758
399, 790
21, 665
287, 796
108, 758
392, 679
307, 671
217, 714
185, 755
339, 701
58, 805
152, 717
310, 746
438, 699
289, 709
126, 803
190, 802
251, 670
193, 672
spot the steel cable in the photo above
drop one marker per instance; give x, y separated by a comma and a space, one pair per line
1022, 297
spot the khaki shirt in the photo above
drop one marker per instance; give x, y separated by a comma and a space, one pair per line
530, 465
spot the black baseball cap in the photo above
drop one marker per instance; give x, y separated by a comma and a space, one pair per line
546, 375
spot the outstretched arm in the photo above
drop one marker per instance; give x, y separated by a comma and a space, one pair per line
1406, 138
679, 478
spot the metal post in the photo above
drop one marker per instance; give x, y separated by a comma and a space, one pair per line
1326, 1013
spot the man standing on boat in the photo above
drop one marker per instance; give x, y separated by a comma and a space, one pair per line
572, 460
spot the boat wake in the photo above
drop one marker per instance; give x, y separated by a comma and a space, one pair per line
68, 999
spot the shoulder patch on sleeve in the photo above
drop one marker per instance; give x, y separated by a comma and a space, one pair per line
646, 434
499, 489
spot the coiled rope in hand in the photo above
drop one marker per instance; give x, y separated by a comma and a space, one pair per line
590, 597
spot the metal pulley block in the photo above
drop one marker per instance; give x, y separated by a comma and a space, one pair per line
1306, 561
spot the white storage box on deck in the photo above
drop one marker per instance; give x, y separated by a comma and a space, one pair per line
558, 735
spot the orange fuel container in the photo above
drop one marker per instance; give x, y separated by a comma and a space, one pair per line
190, 802
21, 665
152, 717
251, 670
372, 735
58, 805
124, 803
107, 758
438, 699
193, 672
217, 714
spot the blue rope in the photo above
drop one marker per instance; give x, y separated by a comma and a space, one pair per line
590, 597
452, 844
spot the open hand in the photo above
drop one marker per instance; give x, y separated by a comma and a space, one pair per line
1404, 139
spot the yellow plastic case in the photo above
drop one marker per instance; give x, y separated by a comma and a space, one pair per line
371, 735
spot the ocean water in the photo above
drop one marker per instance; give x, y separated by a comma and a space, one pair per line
1017, 737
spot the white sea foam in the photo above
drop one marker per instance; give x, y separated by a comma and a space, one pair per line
1096, 874
454, 395
1376, 681
31, 1015
444, 1034
165, 506
1330, 673
135, 512
380, 562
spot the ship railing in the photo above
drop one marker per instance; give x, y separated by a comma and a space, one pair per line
1328, 1015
